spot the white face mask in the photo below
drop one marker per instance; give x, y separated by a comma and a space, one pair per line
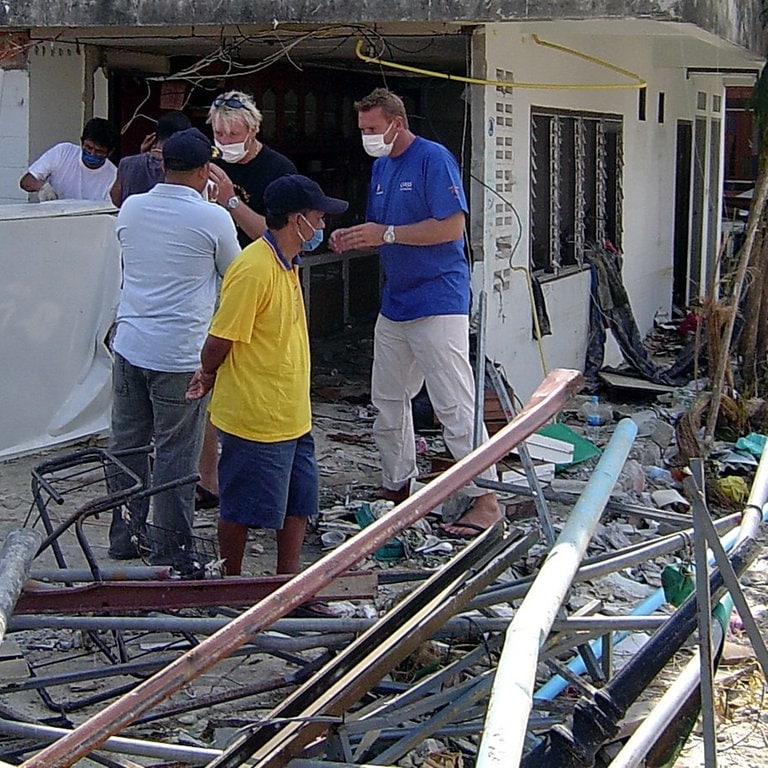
374, 144
232, 153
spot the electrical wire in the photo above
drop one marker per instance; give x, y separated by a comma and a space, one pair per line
637, 84
228, 51
519, 268
137, 112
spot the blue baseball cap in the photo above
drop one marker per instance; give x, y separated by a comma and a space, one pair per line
187, 149
293, 192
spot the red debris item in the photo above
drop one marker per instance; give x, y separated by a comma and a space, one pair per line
689, 325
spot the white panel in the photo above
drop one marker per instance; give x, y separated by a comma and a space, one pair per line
57, 301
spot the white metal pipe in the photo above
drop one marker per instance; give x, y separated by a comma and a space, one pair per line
512, 694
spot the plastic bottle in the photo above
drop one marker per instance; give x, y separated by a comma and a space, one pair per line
593, 418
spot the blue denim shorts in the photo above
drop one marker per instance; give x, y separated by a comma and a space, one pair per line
261, 483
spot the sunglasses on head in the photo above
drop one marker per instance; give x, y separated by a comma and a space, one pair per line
220, 101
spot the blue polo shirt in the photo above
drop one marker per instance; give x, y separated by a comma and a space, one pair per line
420, 280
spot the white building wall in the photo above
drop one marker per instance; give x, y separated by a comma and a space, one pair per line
65, 90
56, 75
42, 105
14, 131
649, 149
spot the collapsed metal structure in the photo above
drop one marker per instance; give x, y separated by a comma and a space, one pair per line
344, 707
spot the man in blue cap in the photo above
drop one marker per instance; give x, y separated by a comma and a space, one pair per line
175, 246
256, 358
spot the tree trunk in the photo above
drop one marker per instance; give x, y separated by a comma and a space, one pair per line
718, 376
752, 341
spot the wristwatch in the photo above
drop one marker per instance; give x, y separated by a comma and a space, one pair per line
389, 235
233, 202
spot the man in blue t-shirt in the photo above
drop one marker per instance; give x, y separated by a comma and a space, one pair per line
415, 217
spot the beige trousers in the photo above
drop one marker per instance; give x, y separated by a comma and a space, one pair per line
432, 350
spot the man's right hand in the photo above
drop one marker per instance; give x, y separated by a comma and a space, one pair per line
200, 384
336, 241
148, 142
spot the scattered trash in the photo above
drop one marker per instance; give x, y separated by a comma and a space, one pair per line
332, 539
733, 487
365, 515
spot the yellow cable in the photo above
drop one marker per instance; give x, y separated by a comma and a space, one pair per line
639, 82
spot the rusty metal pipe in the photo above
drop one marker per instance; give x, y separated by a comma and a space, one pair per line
553, 393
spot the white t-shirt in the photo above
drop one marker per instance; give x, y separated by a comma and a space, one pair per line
62, 167
175, 245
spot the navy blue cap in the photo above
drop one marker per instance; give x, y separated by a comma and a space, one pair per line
293, 192
187, 149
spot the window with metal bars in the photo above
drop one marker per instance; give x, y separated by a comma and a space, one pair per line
576, 185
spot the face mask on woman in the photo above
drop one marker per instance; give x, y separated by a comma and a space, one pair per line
232, 153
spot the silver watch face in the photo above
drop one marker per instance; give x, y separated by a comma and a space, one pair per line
389, 235
233, 202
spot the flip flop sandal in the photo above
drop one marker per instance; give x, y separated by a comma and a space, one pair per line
476, 529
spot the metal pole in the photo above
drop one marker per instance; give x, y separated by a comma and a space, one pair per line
647, 733
456, 627
107, 573
19, 549
704, 623
622, 558
558, 387
548, 529
732, 582
568, 497
175, 752
480, 373
511, 698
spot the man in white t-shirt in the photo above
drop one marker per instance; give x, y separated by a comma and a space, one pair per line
70, 172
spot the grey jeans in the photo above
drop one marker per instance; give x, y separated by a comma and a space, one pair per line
149, 407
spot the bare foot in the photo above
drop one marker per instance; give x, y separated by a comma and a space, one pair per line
483, 514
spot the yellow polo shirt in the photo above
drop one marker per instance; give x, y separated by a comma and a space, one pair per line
262, 387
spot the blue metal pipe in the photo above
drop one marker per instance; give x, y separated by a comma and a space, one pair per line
512, 694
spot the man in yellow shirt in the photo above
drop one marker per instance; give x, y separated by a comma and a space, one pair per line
256, 358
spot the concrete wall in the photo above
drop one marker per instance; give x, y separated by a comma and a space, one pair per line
649, 183
735, 20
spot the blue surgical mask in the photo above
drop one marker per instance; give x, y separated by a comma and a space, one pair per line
314, 241
92, 161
